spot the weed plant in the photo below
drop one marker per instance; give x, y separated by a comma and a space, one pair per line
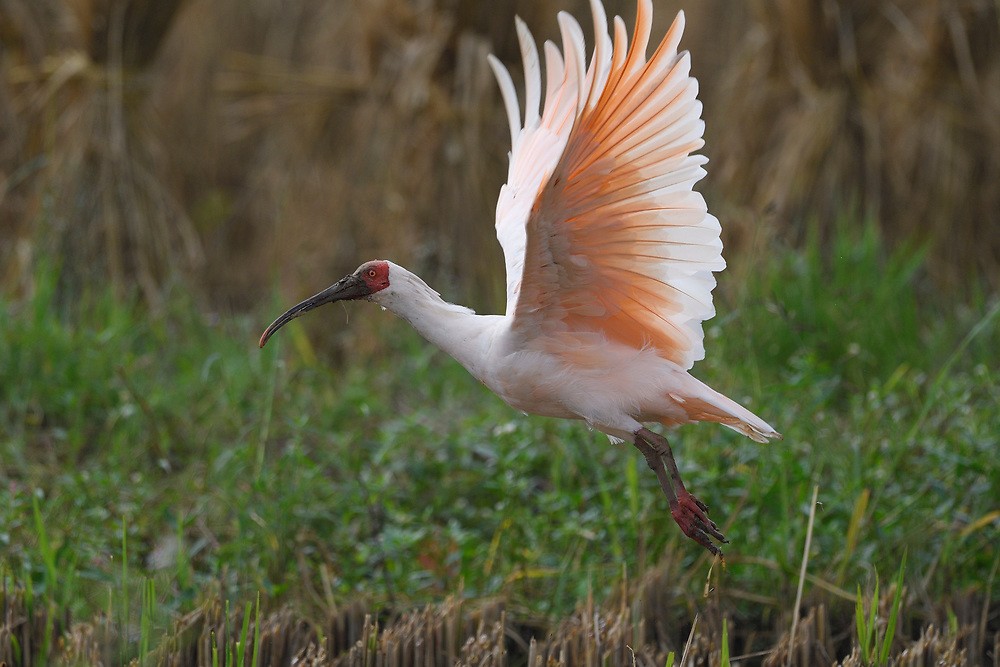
230, 472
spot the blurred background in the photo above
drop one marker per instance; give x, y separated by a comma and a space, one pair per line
233, 145
175, 173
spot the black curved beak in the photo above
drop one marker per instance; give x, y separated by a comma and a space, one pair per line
349, 287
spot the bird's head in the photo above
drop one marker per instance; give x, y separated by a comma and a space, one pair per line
369, 278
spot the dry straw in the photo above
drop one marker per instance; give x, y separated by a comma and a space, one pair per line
234, 144
892, 108
454, 632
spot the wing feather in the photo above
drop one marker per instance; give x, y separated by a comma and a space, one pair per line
601, 229
532, 73
573, 48
509, 96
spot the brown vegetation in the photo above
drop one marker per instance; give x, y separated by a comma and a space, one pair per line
640, 630
233, 143
889, 107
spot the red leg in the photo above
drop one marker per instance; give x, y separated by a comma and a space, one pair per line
690, 513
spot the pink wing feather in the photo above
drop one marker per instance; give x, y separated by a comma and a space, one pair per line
600, 227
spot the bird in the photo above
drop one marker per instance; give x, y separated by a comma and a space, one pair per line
609, 251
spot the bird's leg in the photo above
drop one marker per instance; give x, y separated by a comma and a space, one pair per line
690, 513
655, 462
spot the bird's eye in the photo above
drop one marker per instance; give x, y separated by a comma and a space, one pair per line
371, 273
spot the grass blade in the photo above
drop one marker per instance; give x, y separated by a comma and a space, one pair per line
242, 643
859, 622
256, 632
724, 660
124, 590
146, 620
45, 547
890, 629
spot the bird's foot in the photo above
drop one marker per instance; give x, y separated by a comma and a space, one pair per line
692, 516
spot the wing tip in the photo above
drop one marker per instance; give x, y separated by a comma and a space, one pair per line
509, 95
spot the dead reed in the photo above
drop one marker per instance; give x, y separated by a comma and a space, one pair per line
84, 182
228, 145
458, 632
888, 108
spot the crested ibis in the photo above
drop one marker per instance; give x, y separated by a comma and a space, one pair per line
609, 252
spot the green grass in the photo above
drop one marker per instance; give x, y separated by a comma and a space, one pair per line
229, 472
873, 650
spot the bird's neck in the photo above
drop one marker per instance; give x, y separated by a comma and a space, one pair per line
454, 329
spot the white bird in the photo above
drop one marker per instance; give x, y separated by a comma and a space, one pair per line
609, 253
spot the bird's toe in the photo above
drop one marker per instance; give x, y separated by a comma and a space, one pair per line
691, 515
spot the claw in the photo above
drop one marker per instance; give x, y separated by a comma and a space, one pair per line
702, 539
691, 515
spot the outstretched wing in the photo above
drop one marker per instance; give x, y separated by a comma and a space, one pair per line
600, 227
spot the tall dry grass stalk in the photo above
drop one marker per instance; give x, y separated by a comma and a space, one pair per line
892, 108
629, 632
234, 143
84, 174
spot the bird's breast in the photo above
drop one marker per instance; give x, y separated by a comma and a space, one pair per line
532, 382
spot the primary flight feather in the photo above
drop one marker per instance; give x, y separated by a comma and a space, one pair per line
609, 252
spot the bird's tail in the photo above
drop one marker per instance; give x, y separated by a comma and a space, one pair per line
711, 406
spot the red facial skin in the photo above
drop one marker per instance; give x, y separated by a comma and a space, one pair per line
375, 274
